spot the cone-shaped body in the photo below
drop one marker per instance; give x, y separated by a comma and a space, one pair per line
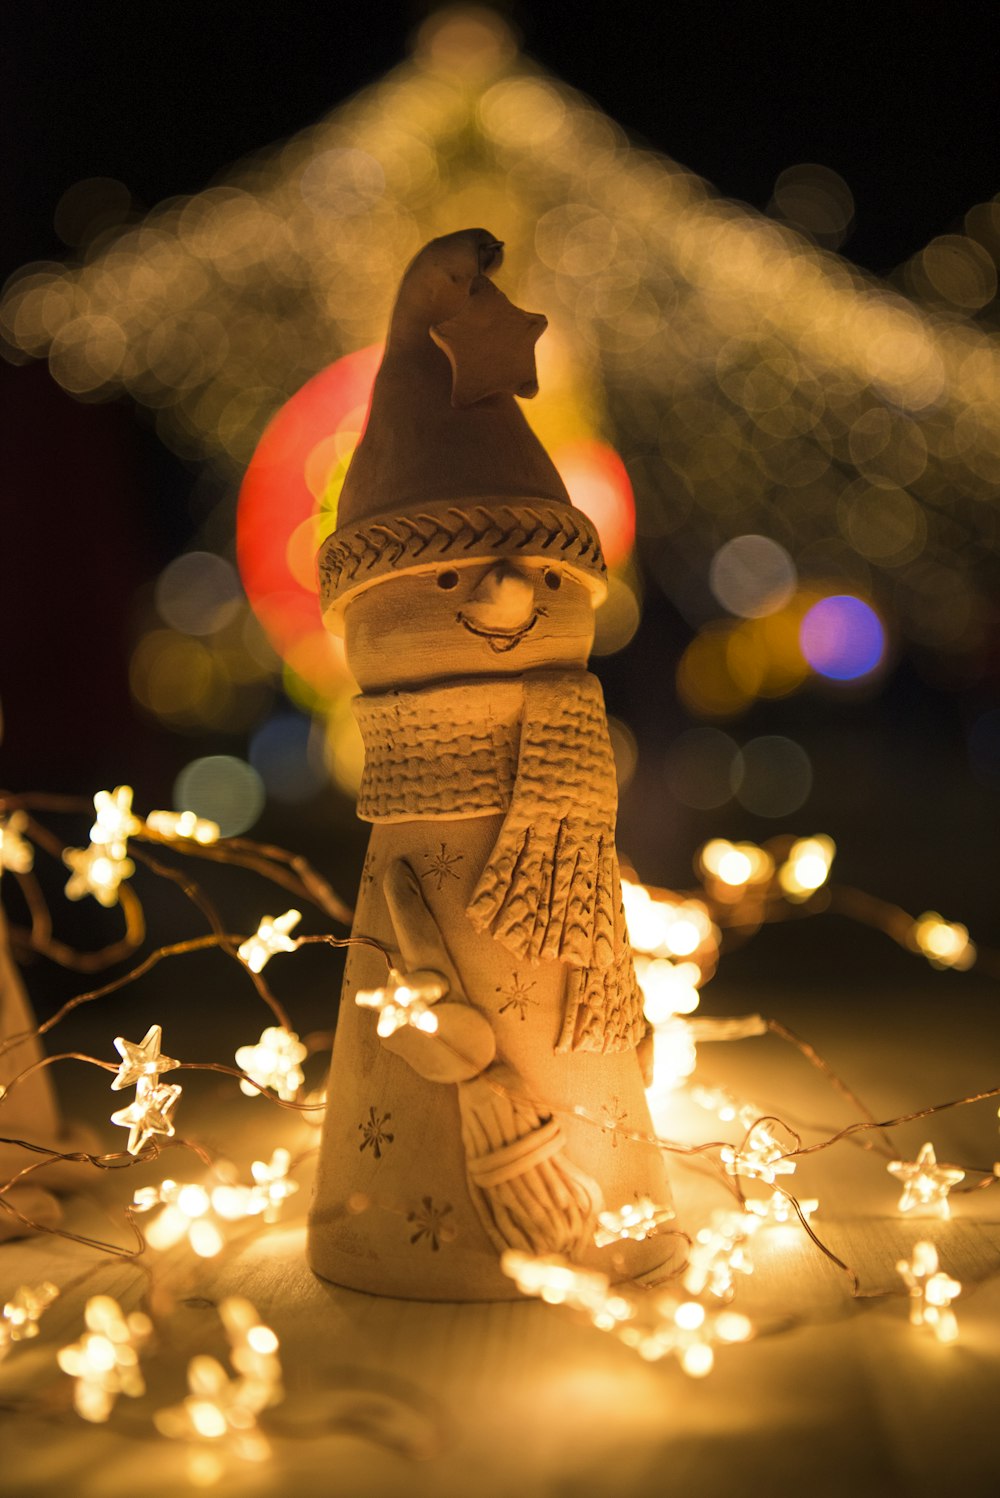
492, 1097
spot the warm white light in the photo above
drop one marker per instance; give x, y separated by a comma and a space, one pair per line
16, 853
275, 1062
405, 999
105, 1361
931, 1292
807, 867
270, 937
925, 1183
944, 943
183, 824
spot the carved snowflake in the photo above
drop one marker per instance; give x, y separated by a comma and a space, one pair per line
428, 1222
442, 865
516, 995
374, 1132
613, 1115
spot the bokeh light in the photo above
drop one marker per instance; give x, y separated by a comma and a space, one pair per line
286, 752
772, 776
842, 638
198, 593
222, 788
752, 576
699, 768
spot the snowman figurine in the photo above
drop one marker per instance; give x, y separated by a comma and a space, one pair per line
486, 1093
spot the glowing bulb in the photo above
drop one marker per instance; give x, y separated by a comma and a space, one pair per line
636, 1220
925, 1183
115, 823
96, 871
149, 1114
270, 937
105, 1361
273, 1062
183, 824
141, 1060
931, 1292
944, 943
21, 1314
405, 1000
807, 866
16, 853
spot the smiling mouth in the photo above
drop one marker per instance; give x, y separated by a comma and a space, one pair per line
501, 640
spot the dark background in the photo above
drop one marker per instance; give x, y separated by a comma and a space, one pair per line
900, 99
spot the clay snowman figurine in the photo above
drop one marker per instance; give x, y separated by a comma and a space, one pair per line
485, 1096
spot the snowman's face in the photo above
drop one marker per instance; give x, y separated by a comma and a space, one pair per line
480, 619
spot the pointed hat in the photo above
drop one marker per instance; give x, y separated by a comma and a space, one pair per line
448, 469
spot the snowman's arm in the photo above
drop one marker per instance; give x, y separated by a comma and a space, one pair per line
463, 1045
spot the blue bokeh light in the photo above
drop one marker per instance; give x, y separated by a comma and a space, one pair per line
842, 638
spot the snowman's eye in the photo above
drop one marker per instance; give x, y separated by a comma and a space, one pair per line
553, 580
448, 580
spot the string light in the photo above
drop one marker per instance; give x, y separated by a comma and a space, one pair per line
272, 1184
807, 867
221, 1409
270, 937
944, 943
405, 999
762, 1158
149, 1114
275, 1062
21, 1314
96, 871
184, 825
777, 1210
654, 1325
115, 823
105, 1361
16, 853
636, 1220
142, 1060
931, 1292
925, 1183
686, 1330
736, 864
720, 1251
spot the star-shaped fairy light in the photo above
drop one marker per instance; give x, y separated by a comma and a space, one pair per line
105, 1361
22, 1312
655, 1326
807, 867
275, 1062
16, 853
762, 1157
202, 1212
149, 1114
114, 823
272, 1184
686, 1330
637, 1220
183, 824
141, 1060
925, 1183
270, 937
777, 1210
720, 1251
490, 346
944, 943
406, 999
931, 1292
221, 1409
96, 871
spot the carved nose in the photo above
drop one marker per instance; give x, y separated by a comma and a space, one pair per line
503, 599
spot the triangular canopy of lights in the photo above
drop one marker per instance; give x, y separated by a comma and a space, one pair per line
753, 381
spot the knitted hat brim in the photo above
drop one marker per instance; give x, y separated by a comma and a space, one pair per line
372, 550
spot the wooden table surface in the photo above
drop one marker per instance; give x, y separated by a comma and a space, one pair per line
835, 1395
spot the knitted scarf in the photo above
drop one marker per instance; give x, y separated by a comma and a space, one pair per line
536, 749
